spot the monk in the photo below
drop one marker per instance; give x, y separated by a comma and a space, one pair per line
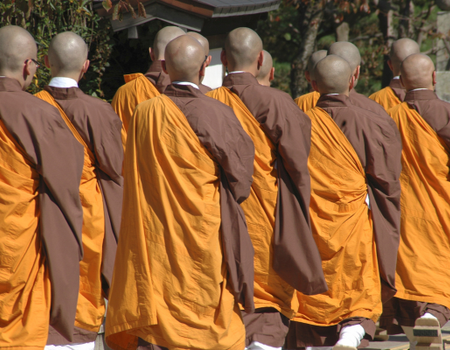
184, 258
423, 278
286, 256
205, 43
95, 125
309, 100
350, 53
139, 87
394, 94
40, 210
355, 214
267, 72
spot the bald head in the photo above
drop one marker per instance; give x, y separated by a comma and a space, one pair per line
312, 61
243, 51
202, 40
67, 55
401, 49
347, 51
332, 74
417, 72
162, 38
16, 47
265, 75
184, 59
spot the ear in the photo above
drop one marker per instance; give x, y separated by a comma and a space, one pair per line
434, 78
272, 74
351, 83
357, 73
163, 65
391, 67
85, 66
202, 71
208, 61
314, 85
260, 59
152, 54
223, 58
27, 68
307, 76
46, 61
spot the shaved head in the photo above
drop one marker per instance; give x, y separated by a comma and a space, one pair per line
332, 74
202, 40
184, 59
401, 49
347, 51
417, 72
243, 49
67, 54
266, 69
16, 46
162, 38
314, 58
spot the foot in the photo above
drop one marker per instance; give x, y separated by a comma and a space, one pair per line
427, 332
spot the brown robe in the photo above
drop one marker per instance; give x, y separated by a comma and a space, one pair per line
398, 312
378, 147
398, 89
99, 126
47, 141
203, 88
157, 76
295, 255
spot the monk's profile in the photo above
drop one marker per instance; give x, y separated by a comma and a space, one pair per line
267, 72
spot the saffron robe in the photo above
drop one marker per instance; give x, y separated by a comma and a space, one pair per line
138, 88
40, 211
390, 96
170, 285
424, 252
353, 154
286, 256
307, 101
97, 127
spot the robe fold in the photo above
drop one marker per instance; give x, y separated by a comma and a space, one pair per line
353, 155
391, 95
40, 247
307, 101
96, 126
424, 252
138, 88
286, 256
170, 285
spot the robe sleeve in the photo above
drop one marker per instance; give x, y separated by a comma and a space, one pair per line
383, 172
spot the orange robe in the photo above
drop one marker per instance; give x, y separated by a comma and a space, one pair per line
307, 101
137, 89
424, 252
22, 262
342, 228
90, 305
170, 284
386, 97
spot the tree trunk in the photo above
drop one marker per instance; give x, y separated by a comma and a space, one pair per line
385, 18
342, 32
311, 15
406, 29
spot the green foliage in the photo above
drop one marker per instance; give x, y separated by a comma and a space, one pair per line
45, 18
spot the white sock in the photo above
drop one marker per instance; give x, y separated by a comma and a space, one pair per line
428, 315
256, 345
351, 335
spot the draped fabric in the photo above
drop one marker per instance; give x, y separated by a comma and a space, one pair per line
342, 228
169, 285
386, 97
424, 250
90, 305
137, 89
307, 101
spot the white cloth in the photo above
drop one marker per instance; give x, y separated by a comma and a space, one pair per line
351, 335
255, 345
185, 83
82, 346
236, 72
319, 348
63, 82
396, 77
418, 89
428, 315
